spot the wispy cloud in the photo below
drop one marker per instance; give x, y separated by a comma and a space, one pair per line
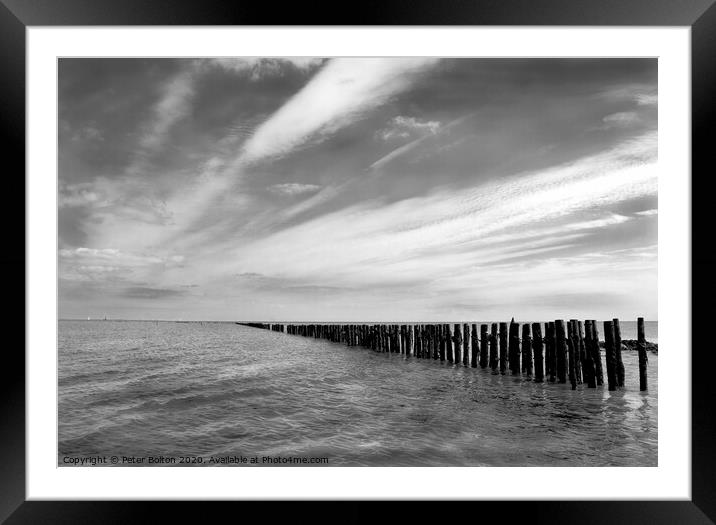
402, 127
541, 202
143, 292
432, 131
173, 105
257, 68
88, 264
621, 119
342, 92
294, 188
357, 187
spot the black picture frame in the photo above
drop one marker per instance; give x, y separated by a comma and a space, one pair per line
700, 15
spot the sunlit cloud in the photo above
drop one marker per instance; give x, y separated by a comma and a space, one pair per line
343, 91
360, 188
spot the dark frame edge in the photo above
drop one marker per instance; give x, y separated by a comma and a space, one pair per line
703, 129
12, 261
702, 508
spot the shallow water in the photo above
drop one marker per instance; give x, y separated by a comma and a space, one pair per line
167, 389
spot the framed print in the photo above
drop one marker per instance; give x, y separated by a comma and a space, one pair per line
419, 255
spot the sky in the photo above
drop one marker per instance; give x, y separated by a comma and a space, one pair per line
357, 189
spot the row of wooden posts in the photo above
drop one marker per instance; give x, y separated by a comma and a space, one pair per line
568, 351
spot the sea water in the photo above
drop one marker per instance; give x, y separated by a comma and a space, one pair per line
140, 389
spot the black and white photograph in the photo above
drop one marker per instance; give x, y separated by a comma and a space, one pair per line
370, 261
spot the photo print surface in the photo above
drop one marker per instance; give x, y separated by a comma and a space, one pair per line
314, 261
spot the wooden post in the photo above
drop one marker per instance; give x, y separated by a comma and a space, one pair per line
611, 354
425, 341
537, 349
582, 348
641, 348
597, 354
447, 343
466, 345
514, 348
440, 342
577, 355
493, 347
475, 342
526, 350
586, 342
484, 340
561, 351
409, 341
551, 353
571, 352
618, 348
419, 341
457, 339
503, 348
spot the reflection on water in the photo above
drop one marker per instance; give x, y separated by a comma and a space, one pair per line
174, 389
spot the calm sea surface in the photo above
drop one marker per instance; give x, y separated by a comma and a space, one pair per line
221, 390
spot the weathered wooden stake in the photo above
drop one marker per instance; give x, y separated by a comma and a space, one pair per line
537, 349
582, 348
415, 333
618, 348
577, 354
597, 354
514, 348
409, 340
466, 345
526, 350
447, 341
611, 354
641, 348
503, 348
475, 348
431, 334
493, 347
457, 339
439, 330
571, 364
586, 342
552, 352
483, 346
561, 351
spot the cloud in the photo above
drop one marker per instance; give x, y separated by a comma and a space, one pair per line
294, 188
641, 94
647, 213
402, 127
620, 120
77, 195
339, 94
433, 131
141, 292
257, 68
88, 264
458, 233
173, 105
646, 99
87, 133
